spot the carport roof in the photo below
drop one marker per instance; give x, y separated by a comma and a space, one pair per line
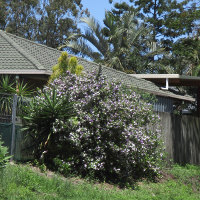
174, 79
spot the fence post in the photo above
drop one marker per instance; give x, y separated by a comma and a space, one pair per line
14, 107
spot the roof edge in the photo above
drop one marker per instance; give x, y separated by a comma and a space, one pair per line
31, 72
174, 96
164, 76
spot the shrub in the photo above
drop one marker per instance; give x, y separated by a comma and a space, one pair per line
66, 64
109, 137
4, 158
111, 131
9, 87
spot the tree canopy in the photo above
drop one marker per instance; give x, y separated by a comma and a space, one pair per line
49, 22
174, 27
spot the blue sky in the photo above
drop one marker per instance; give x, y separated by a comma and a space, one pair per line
97, 8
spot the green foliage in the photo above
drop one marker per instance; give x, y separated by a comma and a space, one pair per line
21, 17
7, 85
23, 89
10, 86
39, 118
185, 58
4, 158
186, 173
169, 21
62, 167
66, 64
3, 14
18, 182
94, 36
58, 20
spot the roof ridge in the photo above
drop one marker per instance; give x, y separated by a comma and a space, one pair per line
34, 42
24, 71
42, 45
20, 50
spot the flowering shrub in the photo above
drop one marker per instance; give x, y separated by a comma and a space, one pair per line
111, 132
110, 136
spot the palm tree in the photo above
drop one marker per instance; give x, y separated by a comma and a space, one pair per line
123, 44
93, 34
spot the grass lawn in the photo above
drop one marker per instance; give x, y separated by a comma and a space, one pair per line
23, 182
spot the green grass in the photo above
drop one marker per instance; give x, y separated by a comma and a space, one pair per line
21, 182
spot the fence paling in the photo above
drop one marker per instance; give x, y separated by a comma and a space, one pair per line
8, 108
13, 125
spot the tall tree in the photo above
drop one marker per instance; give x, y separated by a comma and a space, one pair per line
49, 22
58, 19
184, 59
3, 14
170, 19
22, 18
93, 34
131, 41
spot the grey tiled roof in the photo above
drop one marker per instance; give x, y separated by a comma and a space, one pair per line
22, 56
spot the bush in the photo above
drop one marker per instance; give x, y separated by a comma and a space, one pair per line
110, 137
4, 158
8, 89
111, 131
66, 64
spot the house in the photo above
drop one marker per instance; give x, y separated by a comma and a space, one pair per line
32, 62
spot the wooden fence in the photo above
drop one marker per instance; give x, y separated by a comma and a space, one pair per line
181, 135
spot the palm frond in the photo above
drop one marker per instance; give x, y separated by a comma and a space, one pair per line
82, 47
72, 37
95, 31
114, 62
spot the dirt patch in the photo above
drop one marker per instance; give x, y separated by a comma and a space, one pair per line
166, 176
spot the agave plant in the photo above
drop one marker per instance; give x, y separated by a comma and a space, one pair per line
7, 85
39, 117
8, 89
24, 92
23, 89
6, 99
